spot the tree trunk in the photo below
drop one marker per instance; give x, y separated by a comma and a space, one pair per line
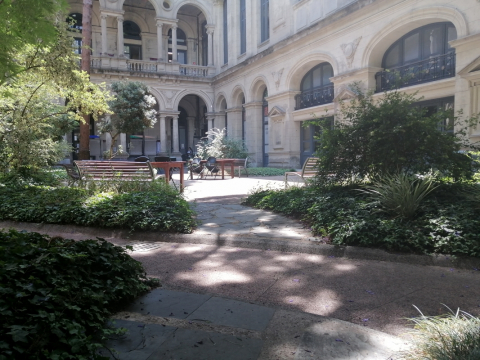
84, 151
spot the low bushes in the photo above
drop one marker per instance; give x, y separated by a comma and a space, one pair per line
56, 295
156, 206
265, 171
445, 223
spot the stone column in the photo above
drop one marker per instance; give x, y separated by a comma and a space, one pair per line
160, 41
174, 44
163, 135
253, 130
120, 46
211, 122
210, 45
104, 34
175, 135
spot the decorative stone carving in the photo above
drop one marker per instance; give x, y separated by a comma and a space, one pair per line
277, 76
344, 93
350, 49
169, 95
277, 114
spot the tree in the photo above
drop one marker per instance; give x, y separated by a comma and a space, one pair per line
33, 112
391, 135
22, 23
218, 145
84, 150
133, 111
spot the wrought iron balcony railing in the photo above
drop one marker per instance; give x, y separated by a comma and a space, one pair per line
432, 69
319, 96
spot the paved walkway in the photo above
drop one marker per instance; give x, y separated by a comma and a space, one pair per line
250, 284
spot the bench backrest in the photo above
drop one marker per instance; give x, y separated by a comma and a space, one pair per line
109, 170
310, 167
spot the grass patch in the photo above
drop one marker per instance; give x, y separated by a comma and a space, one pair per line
143, 206
57, 294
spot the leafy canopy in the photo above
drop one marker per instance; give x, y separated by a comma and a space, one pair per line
33, 112
22, 23
389, 135
133, 107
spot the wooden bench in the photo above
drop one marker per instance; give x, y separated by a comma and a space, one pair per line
96, 170
309, 170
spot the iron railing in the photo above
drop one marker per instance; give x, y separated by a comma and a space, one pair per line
319, 96
432, 69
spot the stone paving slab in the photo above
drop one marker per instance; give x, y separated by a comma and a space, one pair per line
167, 303
187, 344
234, 313
140, 341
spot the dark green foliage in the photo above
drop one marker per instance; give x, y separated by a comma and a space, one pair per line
445, 224
56, 295
388, 135
160, 210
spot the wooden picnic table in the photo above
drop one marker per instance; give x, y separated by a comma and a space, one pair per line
230, 162
166, 166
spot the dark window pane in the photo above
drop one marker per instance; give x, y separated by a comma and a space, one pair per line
433, 42
411, 48
451, 35
307, 82
243, 27
393, 57
327, 74
131, 30
317, 77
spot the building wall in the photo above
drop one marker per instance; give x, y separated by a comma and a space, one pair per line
352, 36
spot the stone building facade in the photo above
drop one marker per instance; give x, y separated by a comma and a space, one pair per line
261, 68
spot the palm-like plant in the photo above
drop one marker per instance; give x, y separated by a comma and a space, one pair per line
400, 194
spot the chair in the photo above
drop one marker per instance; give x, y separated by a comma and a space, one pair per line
195, 166
72, 174
242, 164
142, 159
212, 167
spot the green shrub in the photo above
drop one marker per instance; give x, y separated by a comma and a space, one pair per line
348, 217
265, 171
453, 336
158, 207
57, 294
390, 134
399, 194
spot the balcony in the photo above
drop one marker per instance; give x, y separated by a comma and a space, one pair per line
432, 69
150, 67
315, 97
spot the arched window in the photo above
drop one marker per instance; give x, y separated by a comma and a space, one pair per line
132, 48
131, 31
420, 56
181, 46
75, 21
316, 87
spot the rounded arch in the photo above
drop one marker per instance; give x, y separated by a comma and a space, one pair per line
187, 29
159, 97
121, 2
197, 4
78, 8
258, 87
202, 95
237, 94
137, 19
296, 74
221, 97
402, 25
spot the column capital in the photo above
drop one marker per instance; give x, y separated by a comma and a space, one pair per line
159, 24
210, 29
120, 18
218, 2
174, 27
103, 16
